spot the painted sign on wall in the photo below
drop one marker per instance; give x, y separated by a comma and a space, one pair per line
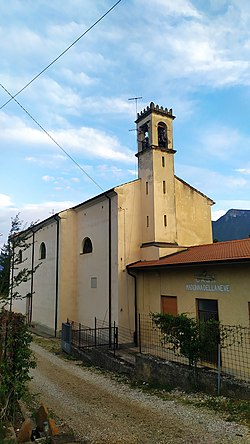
207, 283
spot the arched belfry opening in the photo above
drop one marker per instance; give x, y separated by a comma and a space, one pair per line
144, 132
162, 131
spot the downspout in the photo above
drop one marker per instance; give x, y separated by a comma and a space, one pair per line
109, 273
57, 219
32, 275
136, 308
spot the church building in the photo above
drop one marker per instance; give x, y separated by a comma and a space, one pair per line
85, 252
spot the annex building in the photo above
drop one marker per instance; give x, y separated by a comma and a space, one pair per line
142, 246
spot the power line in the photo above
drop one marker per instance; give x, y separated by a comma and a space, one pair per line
51, 137
60, 55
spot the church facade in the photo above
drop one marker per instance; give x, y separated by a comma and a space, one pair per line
84, 252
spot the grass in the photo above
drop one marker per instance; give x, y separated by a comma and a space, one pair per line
230, 409
53, 345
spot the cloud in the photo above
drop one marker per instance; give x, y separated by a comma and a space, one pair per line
177, 8
30, 212
5, 201
208, 181
221, 142
85, 141
50, 160
48, 178
243, 171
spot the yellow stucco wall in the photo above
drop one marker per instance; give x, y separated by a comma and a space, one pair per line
193, 214
232, 303
129, 243
68, 253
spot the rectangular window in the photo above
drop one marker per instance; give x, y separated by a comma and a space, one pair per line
169, 305
164, 187
165, 220
163, 161
147, 221
146, 187
94, 282
207, 309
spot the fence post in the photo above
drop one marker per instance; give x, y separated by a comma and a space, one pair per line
219, 370
139, 318
95, 332
79, 336
114, 338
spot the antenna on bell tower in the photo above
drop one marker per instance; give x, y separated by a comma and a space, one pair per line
136, 100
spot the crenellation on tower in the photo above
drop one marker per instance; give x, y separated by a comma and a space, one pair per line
157, 109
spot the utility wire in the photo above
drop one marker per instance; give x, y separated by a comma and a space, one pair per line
51, 137
60, 55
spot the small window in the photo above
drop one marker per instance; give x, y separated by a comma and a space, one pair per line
163, 161
165, 220
169, 305
164, 187
94, 282
87, 246
146, 187
20, 256
42, 251
147, 221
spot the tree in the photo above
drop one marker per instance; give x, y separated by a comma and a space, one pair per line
187, 336
15, 355
4, 271
12, 275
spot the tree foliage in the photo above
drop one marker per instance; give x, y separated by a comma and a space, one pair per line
15, 338
13, 271
15, 360
188, 336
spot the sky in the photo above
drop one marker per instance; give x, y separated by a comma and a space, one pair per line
189, 55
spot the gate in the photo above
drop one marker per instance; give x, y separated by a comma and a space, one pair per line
82, 337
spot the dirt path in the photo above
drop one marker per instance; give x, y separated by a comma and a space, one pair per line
103, 411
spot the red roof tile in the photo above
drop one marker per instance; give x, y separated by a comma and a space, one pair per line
218, 252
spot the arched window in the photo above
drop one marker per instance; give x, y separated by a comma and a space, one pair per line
162, 135
20, 256
42, 251
87, 246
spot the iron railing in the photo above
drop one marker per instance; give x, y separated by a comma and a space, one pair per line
83, 337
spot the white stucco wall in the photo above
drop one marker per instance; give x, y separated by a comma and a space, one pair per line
44, 297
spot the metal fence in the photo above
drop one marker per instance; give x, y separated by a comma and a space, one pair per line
83, 337
232, 355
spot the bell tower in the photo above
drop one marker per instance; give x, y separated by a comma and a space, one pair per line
156, 172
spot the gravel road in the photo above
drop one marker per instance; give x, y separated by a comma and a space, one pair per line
104, 411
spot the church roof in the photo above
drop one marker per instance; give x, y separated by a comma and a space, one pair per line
219, 252
194, 189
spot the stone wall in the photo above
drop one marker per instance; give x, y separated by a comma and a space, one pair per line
172, 375
103, 359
